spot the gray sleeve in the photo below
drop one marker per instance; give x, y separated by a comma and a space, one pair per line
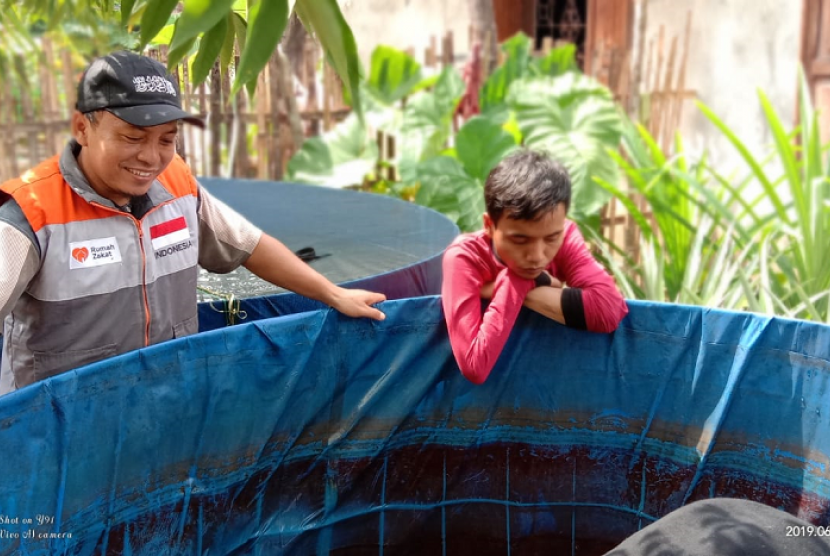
226, 239
20, 261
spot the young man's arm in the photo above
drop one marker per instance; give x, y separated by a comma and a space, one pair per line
227, 240
477, 340
591, 300
545, 300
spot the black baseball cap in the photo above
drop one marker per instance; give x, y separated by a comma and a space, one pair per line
132, 87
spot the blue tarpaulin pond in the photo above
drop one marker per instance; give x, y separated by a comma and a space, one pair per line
313, 433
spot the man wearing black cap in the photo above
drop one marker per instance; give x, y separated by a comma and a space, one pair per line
100, 246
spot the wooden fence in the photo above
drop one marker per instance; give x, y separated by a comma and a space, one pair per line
652, 90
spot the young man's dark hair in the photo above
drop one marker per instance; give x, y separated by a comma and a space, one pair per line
525, 254
525, 185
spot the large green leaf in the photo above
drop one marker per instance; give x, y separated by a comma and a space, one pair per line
226, 54
516, 65
393, 74
481, 144
240, 28
574, 118
324, 18
209, 49
341, 158
155, 18
164, 36
265, 27
198, 16
126, 11
558, 61
427, 122
175, 55
447, 188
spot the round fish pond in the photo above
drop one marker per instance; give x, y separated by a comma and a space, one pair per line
313, 433
360, 240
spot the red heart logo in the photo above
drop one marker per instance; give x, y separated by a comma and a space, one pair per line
80, 254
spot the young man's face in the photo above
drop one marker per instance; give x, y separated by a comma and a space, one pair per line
119, 159
527, 246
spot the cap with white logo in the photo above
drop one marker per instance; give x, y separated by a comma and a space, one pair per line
132, 87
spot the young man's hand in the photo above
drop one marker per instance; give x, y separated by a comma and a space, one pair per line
358, 303
487, 289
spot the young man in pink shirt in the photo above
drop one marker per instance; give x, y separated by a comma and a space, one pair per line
527, 254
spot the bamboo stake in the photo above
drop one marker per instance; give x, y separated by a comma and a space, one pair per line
215, 123
286, 82
262, 99
5, 130
310, 81
69, 85
274, 123
666, 94
327, 97
33, 155
203, 136
182, 140
634, 108
680, 91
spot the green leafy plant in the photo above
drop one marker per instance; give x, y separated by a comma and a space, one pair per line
339, 158
453, 183
575, 119
754, 243
797, 281
209, 26
426, 126
344, 157
540, 102
689, 249
518, 64
393, 75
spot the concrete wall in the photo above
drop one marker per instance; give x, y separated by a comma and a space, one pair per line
737, 47
406, 23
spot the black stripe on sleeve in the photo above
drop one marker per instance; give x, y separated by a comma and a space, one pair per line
572, 308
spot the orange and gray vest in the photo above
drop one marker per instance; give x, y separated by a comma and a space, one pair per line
108, 282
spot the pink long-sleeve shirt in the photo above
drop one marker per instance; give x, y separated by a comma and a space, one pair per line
477, 339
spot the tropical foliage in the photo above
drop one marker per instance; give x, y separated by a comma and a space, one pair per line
755, 243
212, 29
689, 250
543, 103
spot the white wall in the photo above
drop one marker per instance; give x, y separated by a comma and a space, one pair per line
406, 23
737, 47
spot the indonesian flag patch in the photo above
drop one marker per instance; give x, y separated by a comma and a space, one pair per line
168, 233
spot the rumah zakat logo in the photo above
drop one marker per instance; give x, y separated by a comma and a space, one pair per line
91, 253
80, 254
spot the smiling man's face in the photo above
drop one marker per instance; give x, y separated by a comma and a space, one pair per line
121, 160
